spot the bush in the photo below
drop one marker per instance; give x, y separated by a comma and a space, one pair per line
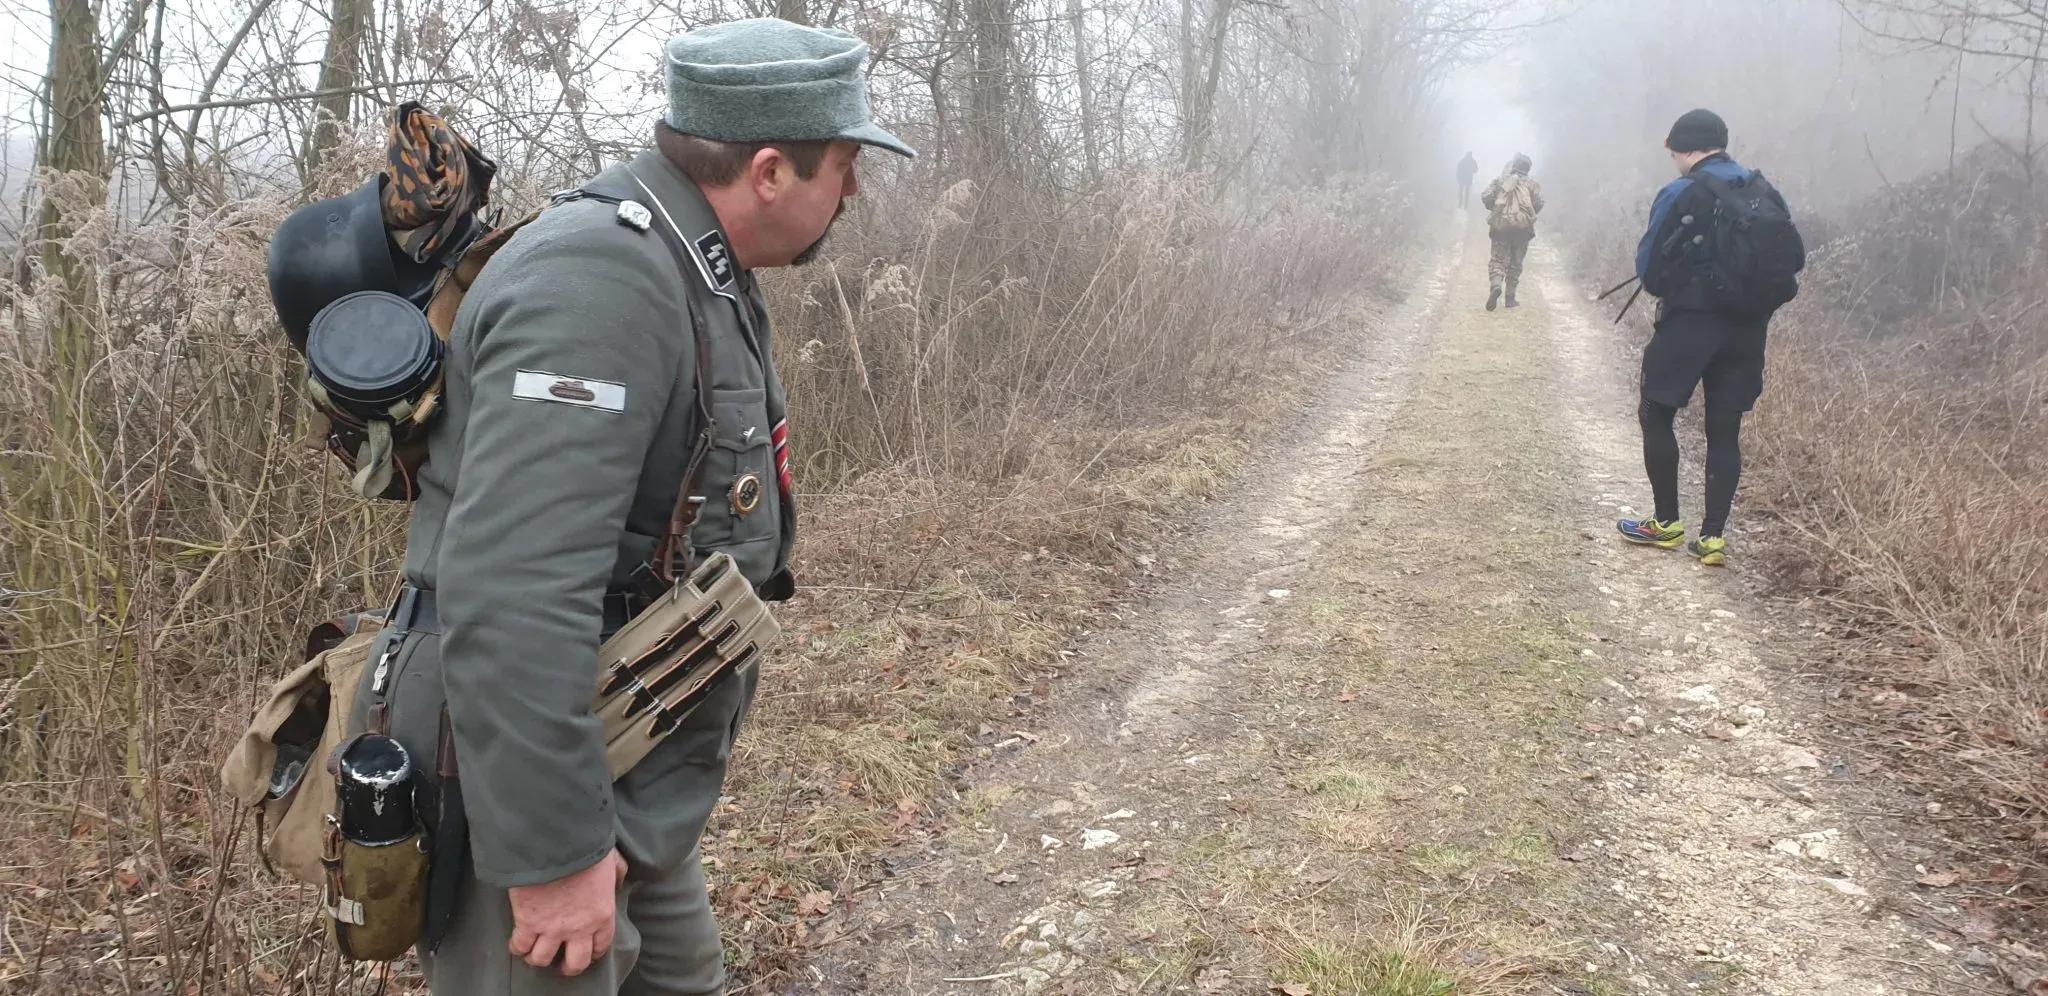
1903, 458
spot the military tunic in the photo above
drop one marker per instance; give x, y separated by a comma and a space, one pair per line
571, 416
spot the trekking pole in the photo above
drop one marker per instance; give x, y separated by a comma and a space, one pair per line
1611, 290
1630, 303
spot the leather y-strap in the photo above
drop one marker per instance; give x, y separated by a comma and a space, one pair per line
688, 502
675, 540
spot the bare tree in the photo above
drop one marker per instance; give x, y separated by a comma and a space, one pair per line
340, 74
1081, 74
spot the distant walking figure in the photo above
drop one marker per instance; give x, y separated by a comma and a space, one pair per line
1468, 168
1512, 201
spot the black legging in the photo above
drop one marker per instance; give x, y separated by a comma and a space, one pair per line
1724, 461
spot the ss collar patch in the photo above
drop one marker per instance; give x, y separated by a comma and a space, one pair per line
717, 257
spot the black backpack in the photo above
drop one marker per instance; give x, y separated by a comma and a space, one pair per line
1754, 252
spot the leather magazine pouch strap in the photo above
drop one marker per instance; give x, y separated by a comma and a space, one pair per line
674, 547
676, 541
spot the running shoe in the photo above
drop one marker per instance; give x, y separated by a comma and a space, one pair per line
1711, 551
1650, 532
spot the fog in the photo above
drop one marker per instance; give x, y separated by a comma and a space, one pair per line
1832, 100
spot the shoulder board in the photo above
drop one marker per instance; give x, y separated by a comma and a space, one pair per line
626, 211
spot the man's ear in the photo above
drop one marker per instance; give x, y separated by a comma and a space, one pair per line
768, 172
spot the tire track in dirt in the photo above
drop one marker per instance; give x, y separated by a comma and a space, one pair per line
1405, 721
940, 918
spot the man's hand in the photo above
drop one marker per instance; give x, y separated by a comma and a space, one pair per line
572, 917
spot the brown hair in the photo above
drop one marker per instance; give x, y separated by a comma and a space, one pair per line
711, 163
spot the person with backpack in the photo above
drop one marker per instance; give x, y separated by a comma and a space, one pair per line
1468, 168
1721, 255
1512, 201
611, 408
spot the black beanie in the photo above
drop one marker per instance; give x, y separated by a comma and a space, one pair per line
1698, 131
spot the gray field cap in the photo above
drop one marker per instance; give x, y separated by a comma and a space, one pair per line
768, 80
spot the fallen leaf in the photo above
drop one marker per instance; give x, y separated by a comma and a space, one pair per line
1980, 928
1796, 758
814, 904
1939, 879
906, 814
128, 874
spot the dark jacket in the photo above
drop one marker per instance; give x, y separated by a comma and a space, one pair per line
1668, 265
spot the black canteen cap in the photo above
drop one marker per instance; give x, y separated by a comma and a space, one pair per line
372, 348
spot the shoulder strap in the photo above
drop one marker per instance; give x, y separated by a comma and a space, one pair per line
675, 541
1720, 188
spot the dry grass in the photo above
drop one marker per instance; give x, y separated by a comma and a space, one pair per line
1904, 463
1408, 952
1900, 464
998, 400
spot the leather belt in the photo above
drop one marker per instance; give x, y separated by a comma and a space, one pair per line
418, 609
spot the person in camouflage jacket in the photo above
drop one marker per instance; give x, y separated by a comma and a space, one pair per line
1512, 202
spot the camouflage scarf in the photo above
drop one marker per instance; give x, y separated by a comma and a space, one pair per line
437, 182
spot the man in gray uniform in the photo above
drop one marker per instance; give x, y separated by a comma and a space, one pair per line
576, 394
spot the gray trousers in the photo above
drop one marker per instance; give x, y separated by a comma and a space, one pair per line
667, 942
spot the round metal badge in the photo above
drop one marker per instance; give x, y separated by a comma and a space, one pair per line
746, 495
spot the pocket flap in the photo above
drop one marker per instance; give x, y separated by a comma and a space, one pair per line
298, 822
246, 772
742, 418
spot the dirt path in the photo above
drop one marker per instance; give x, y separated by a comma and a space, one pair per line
1405, 721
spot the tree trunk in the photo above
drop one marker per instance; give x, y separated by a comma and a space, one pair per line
340, 73
1093, 156
1203, 119
988, 85
60, 495
1187, 71
74, 152
793, 11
